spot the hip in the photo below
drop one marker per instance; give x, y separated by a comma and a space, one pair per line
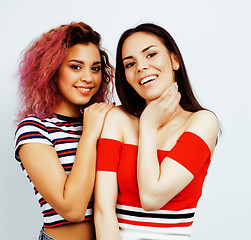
72, 231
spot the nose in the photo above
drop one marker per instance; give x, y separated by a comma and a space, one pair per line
86, 76
142, 66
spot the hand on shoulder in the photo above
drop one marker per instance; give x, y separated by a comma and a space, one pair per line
205, 124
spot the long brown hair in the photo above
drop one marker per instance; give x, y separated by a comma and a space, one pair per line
130, 99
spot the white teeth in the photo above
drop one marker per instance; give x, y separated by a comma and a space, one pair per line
147, 79
84, 89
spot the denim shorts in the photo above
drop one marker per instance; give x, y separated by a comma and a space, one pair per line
44, 236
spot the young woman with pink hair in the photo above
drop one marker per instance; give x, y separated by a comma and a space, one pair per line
64, 84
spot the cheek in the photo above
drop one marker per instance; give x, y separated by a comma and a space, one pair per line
62, 88
62, 84
65, 77
129, 77
98, 79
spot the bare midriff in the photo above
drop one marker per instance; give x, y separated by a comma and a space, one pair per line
74, 231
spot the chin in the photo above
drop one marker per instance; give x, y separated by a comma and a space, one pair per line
82, 102
151, 97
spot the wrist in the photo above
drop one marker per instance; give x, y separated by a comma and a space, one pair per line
147, 131
90, 137
148, 125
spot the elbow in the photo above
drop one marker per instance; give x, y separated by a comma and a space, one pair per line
150, 203
74, 216
148, 206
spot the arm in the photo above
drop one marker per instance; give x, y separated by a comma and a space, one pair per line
158, 184
106, 191
68, 195
106, 186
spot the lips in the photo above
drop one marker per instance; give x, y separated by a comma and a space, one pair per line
147, 79
84, 90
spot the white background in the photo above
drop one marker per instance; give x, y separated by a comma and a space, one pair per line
214, 37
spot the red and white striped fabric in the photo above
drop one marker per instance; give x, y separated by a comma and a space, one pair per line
177, 216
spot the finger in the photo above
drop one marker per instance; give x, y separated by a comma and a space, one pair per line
102, 106
174, 88
171, 104
95, 106
108, 107
176, 110
175, 103
163, 95
171, 97
168, 92
92, 106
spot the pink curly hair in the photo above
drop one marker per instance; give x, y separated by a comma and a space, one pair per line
39, 68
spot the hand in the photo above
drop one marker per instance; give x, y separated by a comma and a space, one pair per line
94, 117
163, 109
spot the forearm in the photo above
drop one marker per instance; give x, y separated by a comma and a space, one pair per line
106, 225
157, 183
80, 182
79, 185
148, 168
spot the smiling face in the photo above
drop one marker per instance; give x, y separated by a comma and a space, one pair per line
149, 66
79, 78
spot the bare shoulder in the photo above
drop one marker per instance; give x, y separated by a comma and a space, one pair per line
115, 120
205, 124
116, 113
204, 117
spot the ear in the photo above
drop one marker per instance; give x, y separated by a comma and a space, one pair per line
175, 61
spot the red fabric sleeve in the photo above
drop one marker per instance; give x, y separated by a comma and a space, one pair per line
190, 151
108, 154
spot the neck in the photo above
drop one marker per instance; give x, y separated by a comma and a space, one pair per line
179, 118
73, 111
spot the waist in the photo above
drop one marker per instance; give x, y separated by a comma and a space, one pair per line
73, 231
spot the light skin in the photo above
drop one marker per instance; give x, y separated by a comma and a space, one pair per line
79, 78
153, 61
150, 70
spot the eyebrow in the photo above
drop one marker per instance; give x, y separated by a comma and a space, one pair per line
144, 50
81, 62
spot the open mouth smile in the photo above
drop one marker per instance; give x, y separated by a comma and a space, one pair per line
147, 79
84, 89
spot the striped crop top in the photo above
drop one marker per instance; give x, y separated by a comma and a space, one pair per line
176, 217
62, 133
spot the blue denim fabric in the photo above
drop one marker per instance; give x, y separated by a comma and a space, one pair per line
44, 236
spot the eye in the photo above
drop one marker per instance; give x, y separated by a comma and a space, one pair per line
129, 64
151, 55
96, 68
76, 66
